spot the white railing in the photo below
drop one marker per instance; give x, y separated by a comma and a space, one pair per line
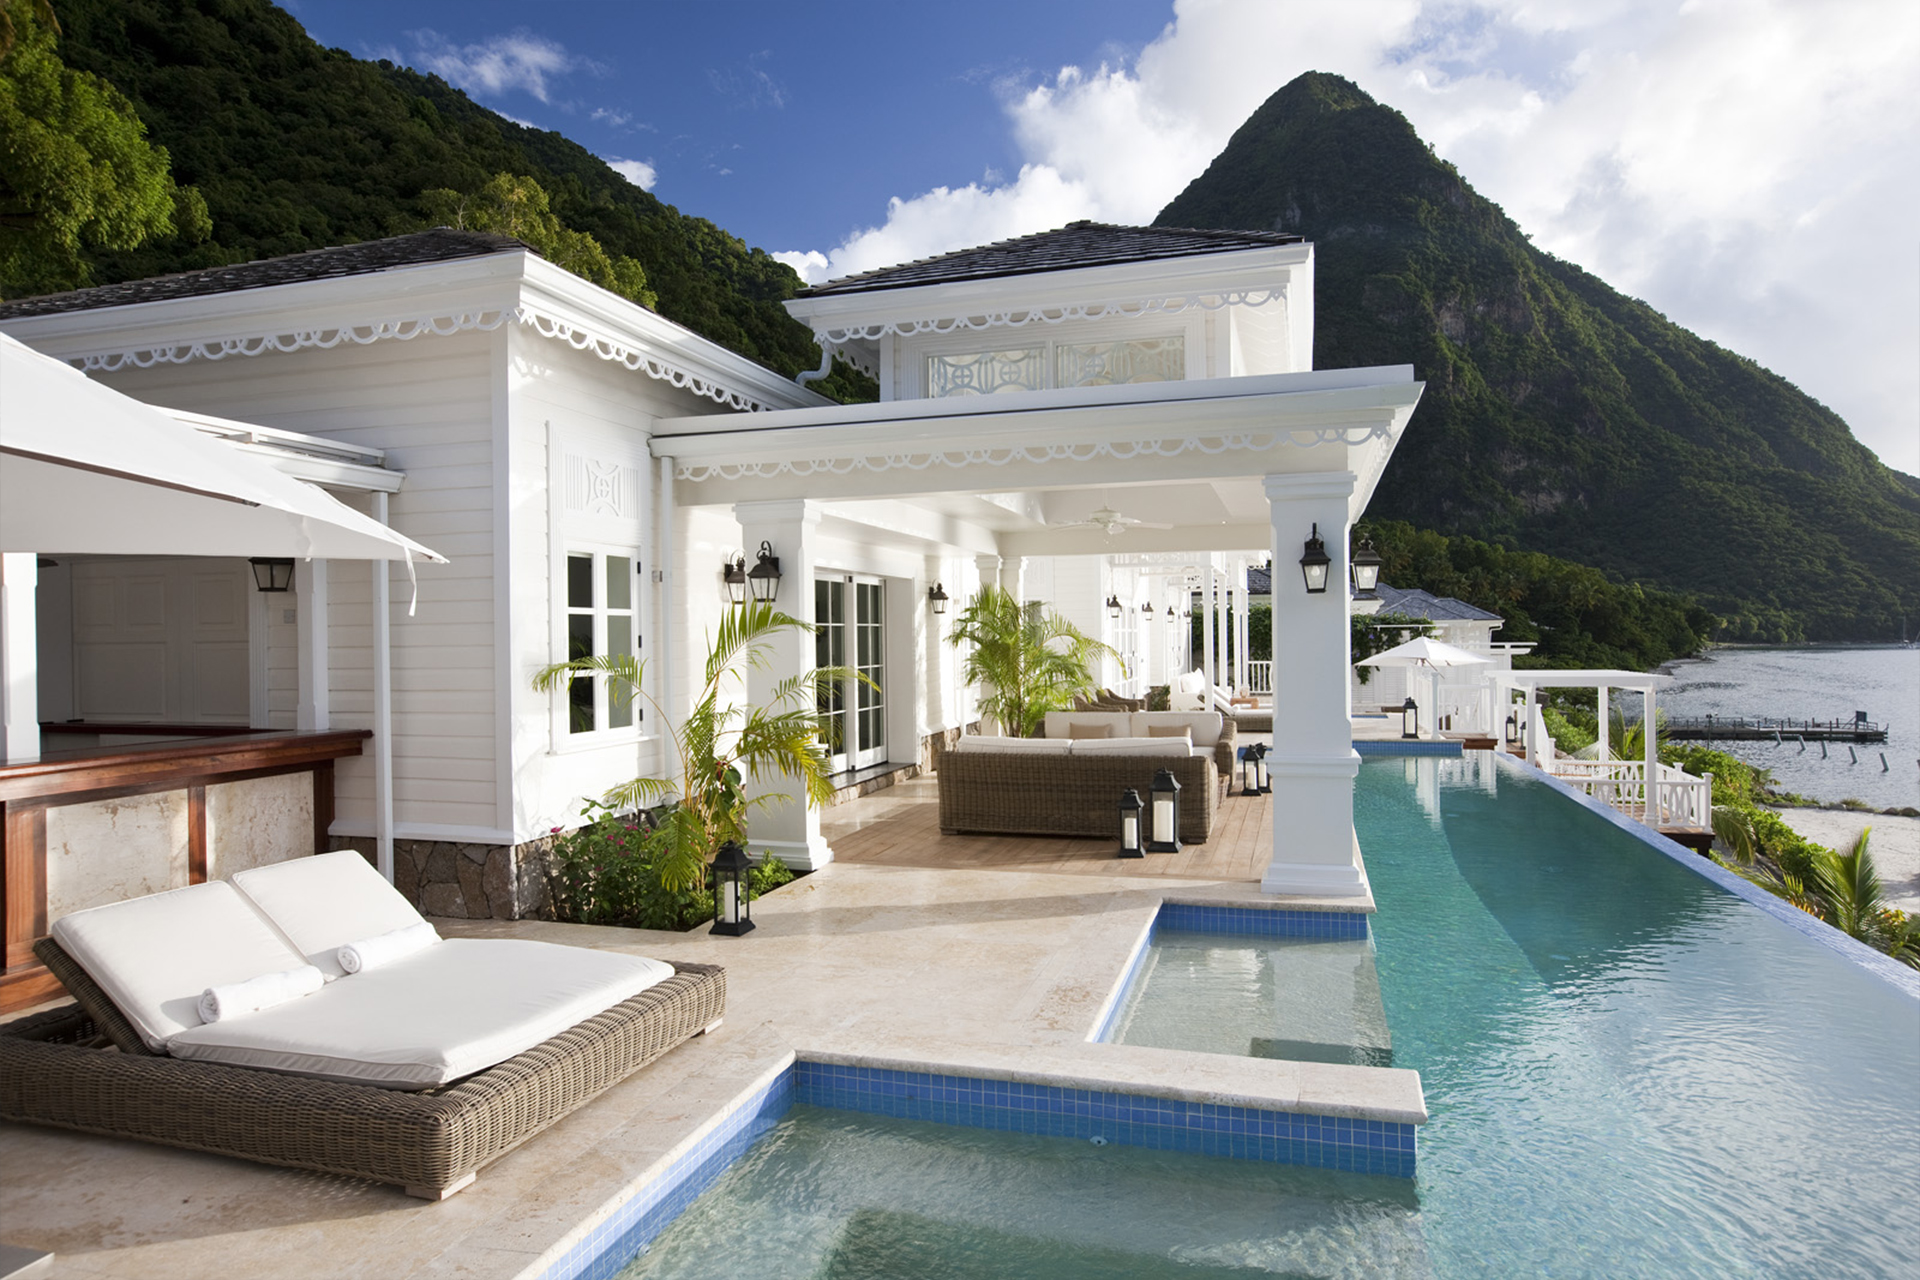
1259, 676
1679, 798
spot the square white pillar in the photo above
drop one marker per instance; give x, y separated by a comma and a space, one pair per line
1313, 763
19, 657
312, 707
789, 826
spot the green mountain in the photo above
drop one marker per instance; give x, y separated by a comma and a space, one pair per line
296, 147
1559, 415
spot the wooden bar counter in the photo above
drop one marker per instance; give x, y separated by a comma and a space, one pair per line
83, 826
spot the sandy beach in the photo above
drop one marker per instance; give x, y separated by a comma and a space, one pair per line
1895, 845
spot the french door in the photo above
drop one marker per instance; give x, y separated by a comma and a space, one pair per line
849, 614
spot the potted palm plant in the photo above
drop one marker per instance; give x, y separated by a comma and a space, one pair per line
1026, 659
720, 742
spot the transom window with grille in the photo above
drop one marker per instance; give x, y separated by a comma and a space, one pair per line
602, 619
1037, 366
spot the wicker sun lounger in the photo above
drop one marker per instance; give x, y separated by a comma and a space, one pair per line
85, 1067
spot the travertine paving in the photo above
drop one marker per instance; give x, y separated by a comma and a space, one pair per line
964, 965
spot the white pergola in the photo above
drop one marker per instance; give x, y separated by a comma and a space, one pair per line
1601, 681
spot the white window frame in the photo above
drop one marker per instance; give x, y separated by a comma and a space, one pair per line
603, 733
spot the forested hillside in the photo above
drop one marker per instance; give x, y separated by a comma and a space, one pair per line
1559, 415
295, 147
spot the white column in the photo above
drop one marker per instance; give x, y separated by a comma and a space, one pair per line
382, 708
1207, 606
19, 657
1652, 757
1013, 577
1606, 737
312, 712
666, 683
789, 826
1313, 763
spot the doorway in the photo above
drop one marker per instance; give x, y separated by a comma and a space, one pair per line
849, 614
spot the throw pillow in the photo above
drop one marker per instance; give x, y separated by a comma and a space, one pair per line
1170, 731
1089, 731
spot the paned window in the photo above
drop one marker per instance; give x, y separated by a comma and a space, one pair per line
601, 620
985, 373
1057, 364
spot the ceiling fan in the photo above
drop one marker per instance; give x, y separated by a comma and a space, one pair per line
1111, 521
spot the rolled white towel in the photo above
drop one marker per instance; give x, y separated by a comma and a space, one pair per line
264, 992
385, 948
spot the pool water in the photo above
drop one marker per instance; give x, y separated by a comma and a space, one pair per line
835, 1196
1629, 1071
1301, 999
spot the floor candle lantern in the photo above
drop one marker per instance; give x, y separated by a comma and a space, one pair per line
1130, 825
1164, 829
732, 913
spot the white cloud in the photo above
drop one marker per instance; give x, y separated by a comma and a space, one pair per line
520, 61
1745, 166
638, 172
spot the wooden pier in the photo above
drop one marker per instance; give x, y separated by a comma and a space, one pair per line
1767, 729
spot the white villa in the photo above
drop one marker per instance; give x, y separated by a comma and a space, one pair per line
1091, 413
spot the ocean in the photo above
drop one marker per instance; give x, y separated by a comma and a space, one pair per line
1818, 684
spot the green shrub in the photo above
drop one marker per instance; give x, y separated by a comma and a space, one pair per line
608, 872
1566, 735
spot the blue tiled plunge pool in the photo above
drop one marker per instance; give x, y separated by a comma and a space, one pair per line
1630, 1070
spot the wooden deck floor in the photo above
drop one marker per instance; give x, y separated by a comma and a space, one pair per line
900, 827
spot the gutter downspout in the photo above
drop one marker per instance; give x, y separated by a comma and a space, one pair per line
382, 708
814, 375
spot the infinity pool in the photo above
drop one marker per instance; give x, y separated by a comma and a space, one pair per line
1629, 1071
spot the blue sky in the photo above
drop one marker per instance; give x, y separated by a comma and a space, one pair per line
1748, 167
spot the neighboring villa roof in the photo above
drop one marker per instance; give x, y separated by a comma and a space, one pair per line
1078, 244
1414, 603
442, 244
1410, 603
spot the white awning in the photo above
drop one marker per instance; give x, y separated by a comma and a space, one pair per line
86, 470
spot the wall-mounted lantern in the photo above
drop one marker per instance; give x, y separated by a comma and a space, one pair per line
1314, 564
734, 574
763, 580
272, 574
1164, 833
1366, 568
1147, 608
1130, 824
1113, 608
937, 597
732, 913
1410, 718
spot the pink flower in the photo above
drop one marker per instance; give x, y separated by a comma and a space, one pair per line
553, 831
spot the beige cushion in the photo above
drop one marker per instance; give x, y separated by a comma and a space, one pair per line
1133, 747
1079, 731
154, 956
458, 1007
1058, 723
324, 902
1171, 731
1205, 727
1034, 746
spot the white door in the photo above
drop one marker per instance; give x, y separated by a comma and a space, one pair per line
162, 641
849, 616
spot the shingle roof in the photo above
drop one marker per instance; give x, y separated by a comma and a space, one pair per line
1078, 244
1414, 603
442, 244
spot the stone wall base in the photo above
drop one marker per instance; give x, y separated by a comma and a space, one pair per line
468, 881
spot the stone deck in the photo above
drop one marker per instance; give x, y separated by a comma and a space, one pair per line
960, 952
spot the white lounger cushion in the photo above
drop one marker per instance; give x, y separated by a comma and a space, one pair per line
1032, 746
324, 902
458, 1007
154, 956
1132, 747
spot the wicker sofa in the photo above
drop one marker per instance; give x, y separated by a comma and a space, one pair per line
1047, 789
415, 1074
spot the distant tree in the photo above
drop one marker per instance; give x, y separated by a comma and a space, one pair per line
76, 170
515, 205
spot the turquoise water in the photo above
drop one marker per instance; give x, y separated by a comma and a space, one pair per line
1630, 1072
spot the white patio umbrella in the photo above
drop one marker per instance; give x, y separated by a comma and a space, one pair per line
1424, 651
87, 470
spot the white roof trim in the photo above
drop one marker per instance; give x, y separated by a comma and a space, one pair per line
481, 293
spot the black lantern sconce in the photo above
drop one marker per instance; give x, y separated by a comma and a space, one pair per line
763, 580
735, 576
1113, 607
1315, 563
272, 574
1169, 613
937, 597
1147, 609
732, 913
1163, 835
1130, 808
1410, 718
1365, 568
